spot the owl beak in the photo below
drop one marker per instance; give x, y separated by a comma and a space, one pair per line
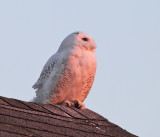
93, 46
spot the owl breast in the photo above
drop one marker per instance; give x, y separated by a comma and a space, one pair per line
76, 79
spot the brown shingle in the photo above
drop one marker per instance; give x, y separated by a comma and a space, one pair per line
19, 118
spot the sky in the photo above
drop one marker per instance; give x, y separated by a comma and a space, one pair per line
126, 89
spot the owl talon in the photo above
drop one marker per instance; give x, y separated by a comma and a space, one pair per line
66, 103
76, 104
79, 105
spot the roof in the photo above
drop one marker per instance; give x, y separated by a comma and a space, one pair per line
20, 118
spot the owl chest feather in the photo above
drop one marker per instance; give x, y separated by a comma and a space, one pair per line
76, 79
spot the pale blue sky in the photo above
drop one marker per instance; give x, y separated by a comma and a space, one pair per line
127, 85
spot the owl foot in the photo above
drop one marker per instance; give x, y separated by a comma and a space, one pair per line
74, 103
78, 104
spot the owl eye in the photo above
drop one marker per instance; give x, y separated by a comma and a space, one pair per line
85, 39
76, 32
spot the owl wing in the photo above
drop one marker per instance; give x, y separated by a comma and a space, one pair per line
47, 69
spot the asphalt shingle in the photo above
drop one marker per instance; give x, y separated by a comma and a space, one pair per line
20, 118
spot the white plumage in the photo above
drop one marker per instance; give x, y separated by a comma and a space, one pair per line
68, 75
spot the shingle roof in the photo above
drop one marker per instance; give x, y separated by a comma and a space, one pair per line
20, 118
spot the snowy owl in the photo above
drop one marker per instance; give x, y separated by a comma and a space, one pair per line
68, 75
